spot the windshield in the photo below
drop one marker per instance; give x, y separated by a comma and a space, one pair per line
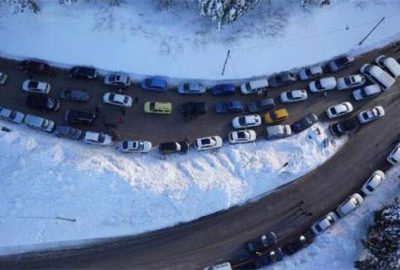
318, 84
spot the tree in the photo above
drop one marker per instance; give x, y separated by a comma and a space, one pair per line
21, 5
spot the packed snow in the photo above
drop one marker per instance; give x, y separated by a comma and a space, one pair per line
179, 43
54, 189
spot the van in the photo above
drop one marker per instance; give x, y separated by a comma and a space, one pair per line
254, 86
376, 75
389, 64
158, 107
40, 123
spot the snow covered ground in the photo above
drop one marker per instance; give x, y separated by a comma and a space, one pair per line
109, 193
137, 38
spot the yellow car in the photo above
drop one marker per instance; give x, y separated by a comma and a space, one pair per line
158, 107
275, 116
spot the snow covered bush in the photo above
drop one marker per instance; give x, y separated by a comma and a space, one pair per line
21, 5
383, 240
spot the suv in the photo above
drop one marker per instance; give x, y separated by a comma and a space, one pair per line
310, 72
38, 67
68, 132
350, 81
98, 138
40, 123
42, 102
278, 131
261, 105
233, 106
117, 79
366, 92
304, 123
373, 182
254, 86
193, 109
281, 79
394, 156
80, 117
376, 75
324, 223
208, 143
349, 205
340, 62
323, 84
340, 128
174, 147
80, 72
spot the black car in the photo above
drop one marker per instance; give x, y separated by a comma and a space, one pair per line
80, 117
340, 128
174, 147
80, 72
304, 123
340, 62
68, 132
193, 109
298, 243
258, 246
261, 105
38, 67
75, 95
281, 79
268, 258
41, 102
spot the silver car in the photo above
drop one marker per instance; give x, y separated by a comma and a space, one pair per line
11, 115
117, 79
135, 146
193, 88
40, 123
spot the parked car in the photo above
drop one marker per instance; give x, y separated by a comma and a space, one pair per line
80, 117
310, 72
174, 147
258, 246
208, 143
75, 95
340, 62
193, 109
98, 138
242, 136
39, 123
221, 266
294, 96
275, 116
117, 79
300, 242
192, 88
246, 121
373, 182
42, 102
344, 127
233, 106
278, 131
304, 123
377, 76
68, 132
339, 110
36, 87
137, 146
324, 223
11, 115
35, 66
254, 86
323, 84
223, 89
350, 81
366, 92
282, 79
349, 205
3, 78
157, 84
261, 105
158, 107
394, 156
81, 72
370, 114
389, 64
270, 257
117, 99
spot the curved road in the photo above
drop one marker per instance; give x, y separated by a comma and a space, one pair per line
220, 237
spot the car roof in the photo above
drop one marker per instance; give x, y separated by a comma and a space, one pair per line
260, 83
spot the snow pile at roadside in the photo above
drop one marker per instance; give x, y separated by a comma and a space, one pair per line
47, 183
136, 38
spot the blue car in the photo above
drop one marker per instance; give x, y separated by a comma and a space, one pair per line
157, 84
223, 89
234, 106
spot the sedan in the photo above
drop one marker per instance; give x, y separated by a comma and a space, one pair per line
208, 143
92, 137
117, 99
11, 115
223, 89
293, 96
135, 146
68, 132
370, 114
350, 81
3, 78
394, 156
42, 102
117, 79
242, 136
246, 121
281, 79
233, 106
339, 110
36, 87
75, 95
157, 84
373, 182
344, 127
304, 123
349, 205
324, 223
192, 88
310, 72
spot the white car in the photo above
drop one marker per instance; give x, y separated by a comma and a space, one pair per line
373, 182
208, 143
390, 64
117, 79
117, 99
278, 131
370, 114
36, 87
221, 266
366, 92
242, 136
192, 88
339, 110
3, 78
246, 121
310, 72
349, 205
97, 138
135, 146
11, 115
39, 123
324, 84
293, 96
394, 156
350, 81
323, 224
251, 87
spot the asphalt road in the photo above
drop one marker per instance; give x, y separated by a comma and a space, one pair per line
221, 236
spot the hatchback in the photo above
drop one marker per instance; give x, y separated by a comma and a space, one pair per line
233, 106
158, 107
